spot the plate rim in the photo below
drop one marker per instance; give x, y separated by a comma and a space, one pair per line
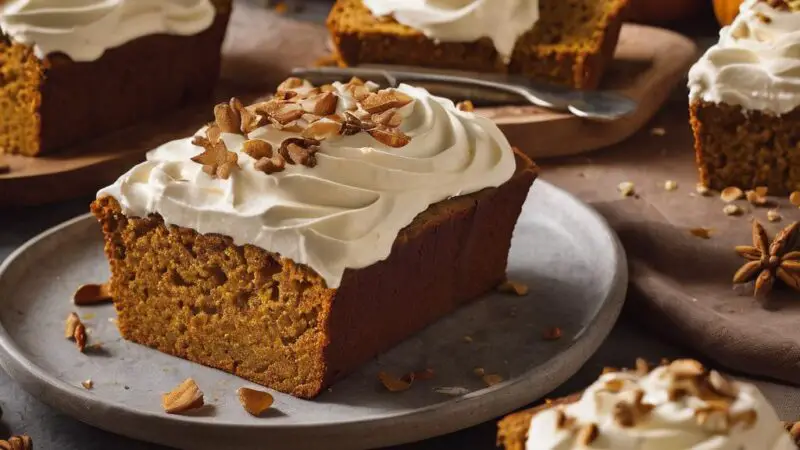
61, 395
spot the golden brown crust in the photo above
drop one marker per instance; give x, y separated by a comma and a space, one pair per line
746, 150
571, 44
56, 102
262, 317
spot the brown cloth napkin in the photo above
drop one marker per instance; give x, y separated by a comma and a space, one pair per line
681, 285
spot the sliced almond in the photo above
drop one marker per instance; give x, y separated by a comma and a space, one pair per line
257, 149
391, 137
185, 397
359, 92
322, 129
513, 287
730, 194
721, 385
279, 111
392, 383
254, 401
389, 118
290, 84
384, 100
320, 104
70, 325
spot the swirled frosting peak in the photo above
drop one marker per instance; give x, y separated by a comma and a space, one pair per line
756, 64
85, 29
502, 21
324, 176
676, 406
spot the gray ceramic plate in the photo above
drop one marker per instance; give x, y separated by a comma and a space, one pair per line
562, 249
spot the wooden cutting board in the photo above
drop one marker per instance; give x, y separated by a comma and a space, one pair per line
260, 50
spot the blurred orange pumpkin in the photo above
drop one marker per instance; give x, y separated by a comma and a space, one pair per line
663, 11
726, 10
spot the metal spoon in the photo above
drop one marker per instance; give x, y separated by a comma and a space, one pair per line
486, 89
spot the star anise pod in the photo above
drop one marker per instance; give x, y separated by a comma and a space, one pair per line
217, 161
770, 261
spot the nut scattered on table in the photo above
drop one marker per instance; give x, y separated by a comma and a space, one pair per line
70, 324
670, 185
87, 384
658, 131
552, 334
513, 287
253, 401
702, 189
626, 188
394, 384
730, 194
757, 197
732, 210
187, 396
701, 232
492, 378
90, 294
774, 216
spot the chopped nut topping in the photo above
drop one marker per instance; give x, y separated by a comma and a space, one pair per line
87, 384
227, 118
588, 434
257, 149
552, 334
721, 386
686, 368
730, 194
70, 325
321, 104
492, 378
732, 210
384, 100
479, 371
465, 106
299, 151
290, 84
670, 185
254, 401
394, 384
624, 415
185, 397
217, 161
701, 232
390, 118
513, 287
615, 385
626, 188
90, 294
322, 129
773, 215
391, 137
23, 442
247, 120
270, 165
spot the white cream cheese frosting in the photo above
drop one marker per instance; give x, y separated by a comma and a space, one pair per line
85, 29
672, 415
755, 65
502, 21
345, 212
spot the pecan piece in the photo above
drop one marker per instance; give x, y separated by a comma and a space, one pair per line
384, 100
270, 165
392, 137
257, 149
322, 129
300, 151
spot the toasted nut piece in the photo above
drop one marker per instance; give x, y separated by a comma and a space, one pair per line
552, 334
755, 198
721, 385
359, 92
588, 434
270, 165
390, 137
90, 294
228, 120
424, 375
253, 401
658, 131
701, 232
702, 190
479, 371
70, 325
465, 106
492, 378
773, 215
23, 442
384, 100
289, 84
389, 118
761, 191
794, 197
87, 384
322, 129
686, 368
80, 337
394, 384
731, 193
320, 104
731, 210
185, 397
513, 287
626, 188
670, 185
257, 149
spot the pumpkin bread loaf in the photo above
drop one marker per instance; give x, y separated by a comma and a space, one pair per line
744, 101
571, 43
51, 101
227, 300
